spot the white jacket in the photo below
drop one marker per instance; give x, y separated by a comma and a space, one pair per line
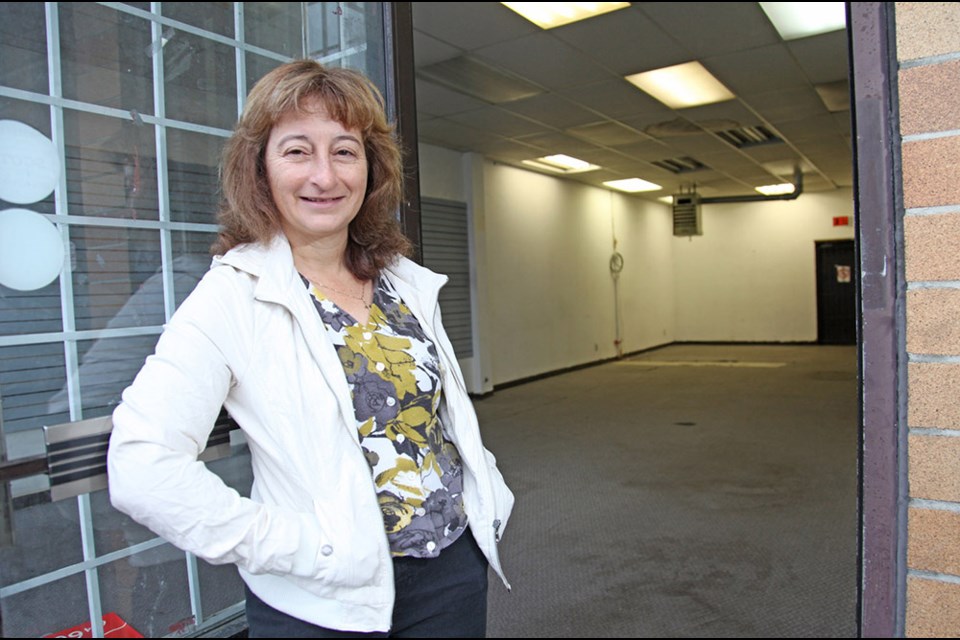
310, 540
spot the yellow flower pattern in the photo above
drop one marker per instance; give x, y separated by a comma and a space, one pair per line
393, 371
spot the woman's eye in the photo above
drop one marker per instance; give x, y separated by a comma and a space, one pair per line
294, 152
347, 153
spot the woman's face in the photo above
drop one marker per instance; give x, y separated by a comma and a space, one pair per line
317, 170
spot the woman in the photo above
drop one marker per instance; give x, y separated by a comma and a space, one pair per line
374, 507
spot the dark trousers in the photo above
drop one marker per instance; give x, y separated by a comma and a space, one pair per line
442, 597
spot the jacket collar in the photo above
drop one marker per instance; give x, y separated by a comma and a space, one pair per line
271, 263
418, 286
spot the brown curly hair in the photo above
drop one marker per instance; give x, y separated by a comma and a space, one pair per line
248, 212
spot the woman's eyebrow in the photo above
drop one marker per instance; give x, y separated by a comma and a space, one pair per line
304, 138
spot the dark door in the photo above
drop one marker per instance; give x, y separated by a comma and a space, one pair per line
836, 293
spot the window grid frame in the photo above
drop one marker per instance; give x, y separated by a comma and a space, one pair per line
69, 336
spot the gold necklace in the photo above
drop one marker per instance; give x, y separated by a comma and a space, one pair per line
362, 297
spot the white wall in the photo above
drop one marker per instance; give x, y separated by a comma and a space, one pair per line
551, 292
751, 276
544, 298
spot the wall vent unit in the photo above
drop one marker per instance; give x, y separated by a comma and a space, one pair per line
687, 220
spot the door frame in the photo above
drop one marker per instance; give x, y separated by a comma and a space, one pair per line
879, 240
878, 243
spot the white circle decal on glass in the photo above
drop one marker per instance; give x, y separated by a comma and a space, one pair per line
29, 164
31, 250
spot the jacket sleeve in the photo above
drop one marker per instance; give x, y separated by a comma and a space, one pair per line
162, 425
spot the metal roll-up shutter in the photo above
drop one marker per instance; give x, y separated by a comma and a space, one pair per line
446, 250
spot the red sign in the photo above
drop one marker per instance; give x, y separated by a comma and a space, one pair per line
113, 627
841, 221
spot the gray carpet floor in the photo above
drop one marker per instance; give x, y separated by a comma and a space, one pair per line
689, 491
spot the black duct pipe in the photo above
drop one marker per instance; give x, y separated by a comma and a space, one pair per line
797, 190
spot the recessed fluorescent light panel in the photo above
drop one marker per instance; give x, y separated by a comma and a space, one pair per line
632, 185
560, 163
776, 189
801, 19
683, 85
548, 15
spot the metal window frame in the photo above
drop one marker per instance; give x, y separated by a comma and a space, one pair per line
69, 336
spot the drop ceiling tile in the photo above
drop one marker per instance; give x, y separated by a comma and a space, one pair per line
557, 142
835, 95
724, 187
624, 41
769, 68
551, 110
608, 133
823, 58
497, 121
605, 158
473, 77
470, 25
428, 50
815, 183
544, 60
787, 105
513, 150
812, 129
705, 28
649, 150
768, 153
720, 116
786, 167
615, 98
844, 123
452, 135
437, 100
695, 145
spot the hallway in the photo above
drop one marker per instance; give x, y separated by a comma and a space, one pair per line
689, 491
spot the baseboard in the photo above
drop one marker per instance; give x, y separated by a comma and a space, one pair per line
595, 363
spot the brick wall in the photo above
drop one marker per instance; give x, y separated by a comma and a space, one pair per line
928, 50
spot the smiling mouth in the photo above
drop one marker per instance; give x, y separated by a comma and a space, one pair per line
321, 200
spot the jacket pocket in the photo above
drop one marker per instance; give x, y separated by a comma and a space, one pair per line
349, 551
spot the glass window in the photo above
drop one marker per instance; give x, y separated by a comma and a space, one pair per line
192, 173
61, 609
106, 57
23, 47
31, 377
200, 80
209, 16
110, 156
111, 166
276, 26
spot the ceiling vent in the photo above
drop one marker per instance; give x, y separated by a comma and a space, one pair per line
746, 137
680, 165
687, 220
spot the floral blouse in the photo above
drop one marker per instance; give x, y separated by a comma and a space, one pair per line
393, 372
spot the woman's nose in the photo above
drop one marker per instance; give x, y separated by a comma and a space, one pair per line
323, 172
